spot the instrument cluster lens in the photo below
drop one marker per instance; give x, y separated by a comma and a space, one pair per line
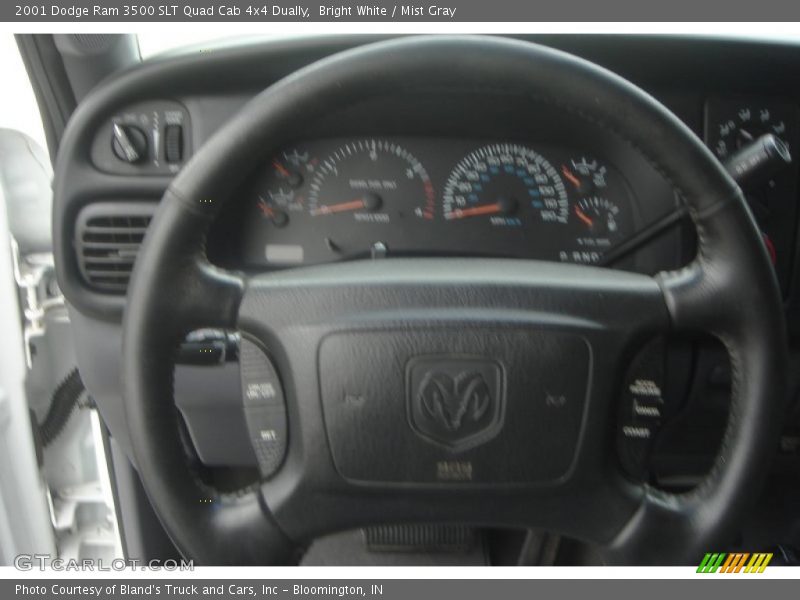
340, 199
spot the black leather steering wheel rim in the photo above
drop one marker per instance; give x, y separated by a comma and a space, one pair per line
716, 293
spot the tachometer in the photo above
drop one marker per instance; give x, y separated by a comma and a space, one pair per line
506, 184
370, 181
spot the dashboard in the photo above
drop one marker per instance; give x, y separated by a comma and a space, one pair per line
359, 197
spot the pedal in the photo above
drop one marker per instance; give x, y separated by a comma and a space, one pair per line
420, 538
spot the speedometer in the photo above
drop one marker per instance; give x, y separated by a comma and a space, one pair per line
508, 185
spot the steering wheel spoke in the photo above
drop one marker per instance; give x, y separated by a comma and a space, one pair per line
709, 295
213, 297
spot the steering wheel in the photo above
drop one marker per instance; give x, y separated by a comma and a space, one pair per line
355, 344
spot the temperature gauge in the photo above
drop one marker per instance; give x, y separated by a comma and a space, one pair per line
585, 175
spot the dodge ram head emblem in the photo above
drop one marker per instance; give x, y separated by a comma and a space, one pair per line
456, 402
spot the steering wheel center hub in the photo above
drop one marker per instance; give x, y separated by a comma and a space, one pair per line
405, 406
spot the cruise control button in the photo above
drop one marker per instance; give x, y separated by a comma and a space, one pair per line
260, 383
267, 428
642, 409
264, 407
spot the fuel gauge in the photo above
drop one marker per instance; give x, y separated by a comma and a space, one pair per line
600, 224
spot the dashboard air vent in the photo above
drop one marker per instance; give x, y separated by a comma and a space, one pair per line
107, 239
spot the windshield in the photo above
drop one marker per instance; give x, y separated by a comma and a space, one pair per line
155, 42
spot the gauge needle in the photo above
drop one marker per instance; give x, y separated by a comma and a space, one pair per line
568, 174
341, 207
265, 208
486, 209
280, 168
584, 217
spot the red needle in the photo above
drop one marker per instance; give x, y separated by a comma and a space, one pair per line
584, 217
568, 174
341, 207
486, 209
265, 208
280, 168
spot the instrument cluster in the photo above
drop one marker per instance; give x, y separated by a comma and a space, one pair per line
340, 199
